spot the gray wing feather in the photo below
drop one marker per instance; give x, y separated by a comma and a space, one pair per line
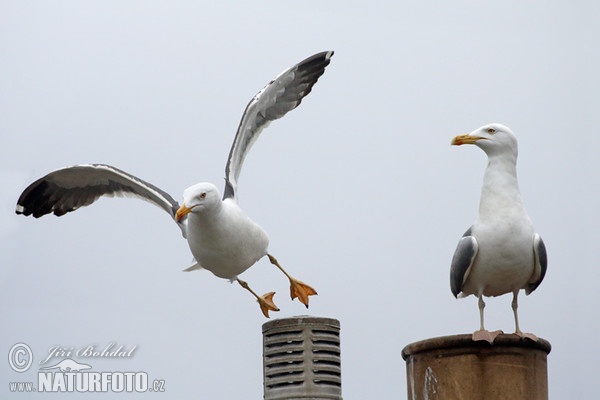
463, 258
541, 264
281, 95
70, 188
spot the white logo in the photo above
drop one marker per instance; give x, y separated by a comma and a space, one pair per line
84, 382
20, 357
68, 365
72, 376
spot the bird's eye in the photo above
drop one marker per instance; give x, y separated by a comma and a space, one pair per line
203, 195
491, 131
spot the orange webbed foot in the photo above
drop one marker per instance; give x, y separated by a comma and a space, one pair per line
529, 336
266, 303
301, 291
485, 335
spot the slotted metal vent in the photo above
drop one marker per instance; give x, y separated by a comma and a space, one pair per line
301, 359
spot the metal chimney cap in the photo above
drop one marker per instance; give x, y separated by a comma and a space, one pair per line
303, 320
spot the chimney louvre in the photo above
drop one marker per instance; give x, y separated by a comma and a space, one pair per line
301, 359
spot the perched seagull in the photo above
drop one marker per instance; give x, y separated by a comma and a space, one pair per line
501, 252
221, 237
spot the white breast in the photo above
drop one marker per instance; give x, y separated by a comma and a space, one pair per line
227, 242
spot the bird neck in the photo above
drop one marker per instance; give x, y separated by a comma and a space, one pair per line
208, 215
500, 187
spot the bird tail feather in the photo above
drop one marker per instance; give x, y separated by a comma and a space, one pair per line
193, 268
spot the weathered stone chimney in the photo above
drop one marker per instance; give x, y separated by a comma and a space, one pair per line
456, 367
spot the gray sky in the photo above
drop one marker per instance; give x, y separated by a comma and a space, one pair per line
361, 193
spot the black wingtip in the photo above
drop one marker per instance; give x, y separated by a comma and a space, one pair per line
311, 69
316, 63
33, 200
454, 291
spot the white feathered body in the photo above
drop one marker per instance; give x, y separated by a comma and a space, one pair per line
505, 235
226, 241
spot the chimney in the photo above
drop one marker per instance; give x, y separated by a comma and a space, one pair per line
456, 367
301, 359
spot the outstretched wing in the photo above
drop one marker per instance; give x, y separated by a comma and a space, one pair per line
281, 95
540, 258
463, 258
67, 189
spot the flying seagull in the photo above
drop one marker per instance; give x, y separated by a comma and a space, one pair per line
221, 237
501, 252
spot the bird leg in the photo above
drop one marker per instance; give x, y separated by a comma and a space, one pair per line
483, 334
297, 288
518, 331
515, 305
265, 301
481, 307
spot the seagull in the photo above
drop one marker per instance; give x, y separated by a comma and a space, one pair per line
221, 237
501, 252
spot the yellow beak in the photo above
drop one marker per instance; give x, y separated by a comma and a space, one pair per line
464, 139
182, 212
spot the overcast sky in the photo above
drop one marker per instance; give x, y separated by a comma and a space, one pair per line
359, 189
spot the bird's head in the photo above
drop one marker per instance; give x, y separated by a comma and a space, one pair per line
491, 138
198, 199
